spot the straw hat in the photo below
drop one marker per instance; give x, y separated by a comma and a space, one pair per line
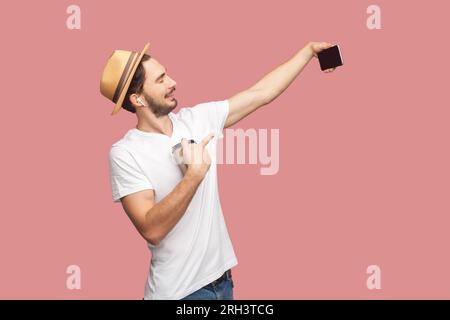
118, 73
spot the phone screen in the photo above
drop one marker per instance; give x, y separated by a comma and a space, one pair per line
330, 58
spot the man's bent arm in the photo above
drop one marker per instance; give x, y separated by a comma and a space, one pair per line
164, 215
155, 221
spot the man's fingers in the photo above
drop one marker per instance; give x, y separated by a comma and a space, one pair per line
184, 145
184, 142
207, 139
325, 45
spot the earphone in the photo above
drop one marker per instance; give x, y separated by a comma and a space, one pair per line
140, 101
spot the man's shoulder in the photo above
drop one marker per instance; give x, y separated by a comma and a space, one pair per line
118, 150
121, 146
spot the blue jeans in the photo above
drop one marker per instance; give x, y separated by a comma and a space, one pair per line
222, 290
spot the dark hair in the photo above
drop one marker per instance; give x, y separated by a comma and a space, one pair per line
136, 85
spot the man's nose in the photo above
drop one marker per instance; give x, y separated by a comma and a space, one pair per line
173, 84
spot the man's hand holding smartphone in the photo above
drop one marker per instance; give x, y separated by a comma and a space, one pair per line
328, 54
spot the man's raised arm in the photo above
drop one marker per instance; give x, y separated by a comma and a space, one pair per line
272, 84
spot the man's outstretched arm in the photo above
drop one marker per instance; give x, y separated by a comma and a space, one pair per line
272, 84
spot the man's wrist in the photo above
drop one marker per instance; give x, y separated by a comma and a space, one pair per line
193, 175
308, 51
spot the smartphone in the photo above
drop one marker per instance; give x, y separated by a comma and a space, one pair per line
330, 58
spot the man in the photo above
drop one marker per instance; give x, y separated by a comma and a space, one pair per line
175, 206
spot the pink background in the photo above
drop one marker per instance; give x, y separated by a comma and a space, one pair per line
364, 151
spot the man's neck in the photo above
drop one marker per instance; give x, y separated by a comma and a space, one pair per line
151, 123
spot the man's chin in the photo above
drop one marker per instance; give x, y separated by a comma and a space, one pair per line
169, 110
173, 104
159, 112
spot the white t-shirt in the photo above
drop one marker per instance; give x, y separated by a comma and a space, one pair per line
198, 249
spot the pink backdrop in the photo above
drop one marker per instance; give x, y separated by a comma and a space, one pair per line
364, 151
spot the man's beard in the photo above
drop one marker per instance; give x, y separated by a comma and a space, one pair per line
159, 109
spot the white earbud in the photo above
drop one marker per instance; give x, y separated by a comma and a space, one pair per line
140, 101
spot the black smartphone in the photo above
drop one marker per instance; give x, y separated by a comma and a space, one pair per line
330, 58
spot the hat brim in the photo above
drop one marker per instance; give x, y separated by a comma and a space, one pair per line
119, 103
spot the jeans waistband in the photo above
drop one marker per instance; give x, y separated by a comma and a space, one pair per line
226, 275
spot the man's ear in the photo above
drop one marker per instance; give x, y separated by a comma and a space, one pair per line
136, 101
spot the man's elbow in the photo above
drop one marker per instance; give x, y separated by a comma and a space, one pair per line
153, 240
261, 96
152, 237
269, 95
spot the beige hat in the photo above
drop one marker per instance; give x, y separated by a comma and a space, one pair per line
118, 73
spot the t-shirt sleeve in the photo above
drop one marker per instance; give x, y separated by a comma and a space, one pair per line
125, 174
214, 114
